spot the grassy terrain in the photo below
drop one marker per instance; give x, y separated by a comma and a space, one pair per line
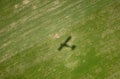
32, 30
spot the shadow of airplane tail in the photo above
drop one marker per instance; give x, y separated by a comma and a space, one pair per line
73, 47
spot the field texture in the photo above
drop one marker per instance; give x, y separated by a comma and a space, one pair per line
32, 30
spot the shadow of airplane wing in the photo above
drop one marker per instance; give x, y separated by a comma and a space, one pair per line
68, 39
64, 43
60, 48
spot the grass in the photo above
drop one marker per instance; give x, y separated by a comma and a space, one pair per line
32, 30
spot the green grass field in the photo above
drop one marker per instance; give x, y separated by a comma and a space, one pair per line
32, 30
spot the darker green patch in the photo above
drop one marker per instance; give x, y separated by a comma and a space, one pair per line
90, 61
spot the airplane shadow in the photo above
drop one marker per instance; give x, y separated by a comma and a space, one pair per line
64, 44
